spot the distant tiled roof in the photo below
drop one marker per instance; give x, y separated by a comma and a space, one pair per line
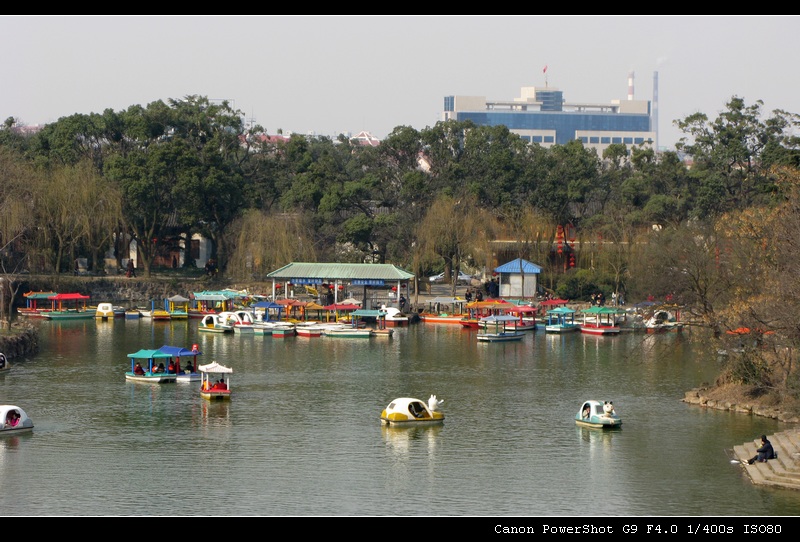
366, 138
341, 271
528, 268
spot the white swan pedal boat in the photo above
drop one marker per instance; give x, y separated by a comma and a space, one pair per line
598, 415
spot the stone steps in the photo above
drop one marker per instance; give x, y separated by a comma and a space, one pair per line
781, 472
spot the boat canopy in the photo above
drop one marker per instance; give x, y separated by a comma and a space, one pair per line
149, 354
214, 367
369, 312
500, 318
178, 351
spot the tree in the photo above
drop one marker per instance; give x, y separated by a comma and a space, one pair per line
729, 155
449, 231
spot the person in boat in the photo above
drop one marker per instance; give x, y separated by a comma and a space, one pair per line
13, 418
220, 385
587, 411
2, 361
171, 368
765, 452
402, 303
138, 369
415, 410
159, 369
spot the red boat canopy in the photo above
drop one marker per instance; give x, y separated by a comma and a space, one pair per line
68, 297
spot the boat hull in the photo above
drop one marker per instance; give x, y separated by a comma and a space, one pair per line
216, 395
561, 328
349, 333
69, 315
151, 379
600, 330
503, 336
431, 319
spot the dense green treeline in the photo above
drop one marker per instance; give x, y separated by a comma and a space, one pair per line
713, 227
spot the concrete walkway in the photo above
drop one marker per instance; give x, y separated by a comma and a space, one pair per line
781, 472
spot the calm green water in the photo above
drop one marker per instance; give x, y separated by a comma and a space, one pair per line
302, 435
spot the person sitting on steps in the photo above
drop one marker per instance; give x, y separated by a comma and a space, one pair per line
764, 453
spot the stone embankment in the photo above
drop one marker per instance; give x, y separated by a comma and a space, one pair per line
781, 472
702, 397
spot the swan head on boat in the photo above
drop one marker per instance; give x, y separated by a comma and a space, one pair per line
434, 404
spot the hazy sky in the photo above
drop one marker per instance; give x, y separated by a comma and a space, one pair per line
332, 74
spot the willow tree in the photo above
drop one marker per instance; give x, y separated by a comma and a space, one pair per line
17, 224
262, 242
450, 230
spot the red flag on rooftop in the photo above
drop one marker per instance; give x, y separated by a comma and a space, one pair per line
545, 69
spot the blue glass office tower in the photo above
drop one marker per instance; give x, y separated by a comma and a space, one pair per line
542, 116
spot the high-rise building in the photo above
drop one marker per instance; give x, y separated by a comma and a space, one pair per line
541, 115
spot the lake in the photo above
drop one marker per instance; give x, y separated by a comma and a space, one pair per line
301, 435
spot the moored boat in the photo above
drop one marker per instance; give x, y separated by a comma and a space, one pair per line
499, 328
4, 363
69, 306
178, 307
214, 323
600, 321
36, 304
561, 320
108, 311
598, 415
408, 411
394, 318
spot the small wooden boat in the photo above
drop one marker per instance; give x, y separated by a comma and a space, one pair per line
183, 362
14, 420
148, 366
132, 314
309, 330
598, 415
178, 307
32, 307
561, 320
212, 388
348, 332
408, 412
600, 321
69, 307
500, 328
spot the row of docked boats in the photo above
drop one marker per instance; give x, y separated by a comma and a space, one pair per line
501, 320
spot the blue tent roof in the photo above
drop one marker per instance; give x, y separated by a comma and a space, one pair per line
528, 268
177, 351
